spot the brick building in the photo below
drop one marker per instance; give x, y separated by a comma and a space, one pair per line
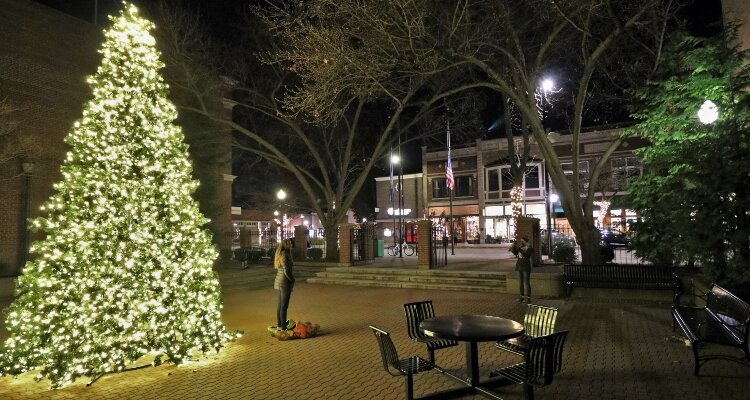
390, 214
45, 56
482, 200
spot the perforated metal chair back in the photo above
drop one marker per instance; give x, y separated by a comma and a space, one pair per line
388, 351
416, 313
544, 358
539, 320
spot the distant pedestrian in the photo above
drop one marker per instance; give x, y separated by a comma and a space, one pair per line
523, 251
284, 283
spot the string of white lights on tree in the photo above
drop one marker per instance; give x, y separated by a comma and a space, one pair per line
125, 266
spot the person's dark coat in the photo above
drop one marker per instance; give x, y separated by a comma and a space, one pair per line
524, 254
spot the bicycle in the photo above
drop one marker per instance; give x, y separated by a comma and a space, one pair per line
406, 248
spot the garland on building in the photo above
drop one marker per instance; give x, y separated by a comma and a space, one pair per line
125, 268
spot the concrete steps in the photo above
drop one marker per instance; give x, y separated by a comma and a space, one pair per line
233, 277
469, 281
255, 277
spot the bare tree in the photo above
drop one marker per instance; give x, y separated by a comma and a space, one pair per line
390, 51
328, 155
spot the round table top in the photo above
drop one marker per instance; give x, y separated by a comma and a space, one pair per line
480, 328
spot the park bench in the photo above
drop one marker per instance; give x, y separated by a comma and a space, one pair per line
620, 276
724, 320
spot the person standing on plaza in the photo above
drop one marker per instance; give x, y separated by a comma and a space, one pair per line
284, 283
523, 251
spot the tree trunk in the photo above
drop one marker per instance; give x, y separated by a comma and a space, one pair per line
332, 240
588, 239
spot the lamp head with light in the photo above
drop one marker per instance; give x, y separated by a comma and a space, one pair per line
708, 113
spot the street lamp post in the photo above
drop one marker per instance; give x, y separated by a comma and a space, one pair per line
547, 86
281, 195
553, 198
394, 160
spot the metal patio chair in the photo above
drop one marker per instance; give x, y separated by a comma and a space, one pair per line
538, 321
542, 360
416, 313
407, 367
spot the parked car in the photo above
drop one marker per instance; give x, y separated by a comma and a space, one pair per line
557, 239
614, 238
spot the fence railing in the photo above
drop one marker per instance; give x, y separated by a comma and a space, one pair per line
358, 250
438, 246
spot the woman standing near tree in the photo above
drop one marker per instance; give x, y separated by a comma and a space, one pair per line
284, 283
523, 250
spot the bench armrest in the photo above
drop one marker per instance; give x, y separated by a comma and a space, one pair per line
679, 306
720, 323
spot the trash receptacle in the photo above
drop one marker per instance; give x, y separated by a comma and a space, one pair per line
379, 248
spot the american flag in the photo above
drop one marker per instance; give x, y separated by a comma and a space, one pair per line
449, 167
449, 174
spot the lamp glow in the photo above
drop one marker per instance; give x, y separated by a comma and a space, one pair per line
708, 112
548, 84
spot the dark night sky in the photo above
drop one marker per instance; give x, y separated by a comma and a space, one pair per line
703, 17
221, 14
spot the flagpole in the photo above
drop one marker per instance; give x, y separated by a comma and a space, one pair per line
401, 230
453, 241
450, 186
392, 196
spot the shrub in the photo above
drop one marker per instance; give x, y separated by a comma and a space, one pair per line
315, 253
564, 253
255, 255
225, 254
606, 253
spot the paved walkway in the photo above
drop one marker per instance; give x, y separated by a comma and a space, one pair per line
615, 350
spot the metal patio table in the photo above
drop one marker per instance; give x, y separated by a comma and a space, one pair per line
471, 329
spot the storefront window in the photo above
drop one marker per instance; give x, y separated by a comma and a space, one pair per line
493, 180
439, 189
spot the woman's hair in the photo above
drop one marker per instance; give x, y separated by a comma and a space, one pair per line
283, 248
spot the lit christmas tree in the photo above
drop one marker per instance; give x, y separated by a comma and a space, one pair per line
125, 268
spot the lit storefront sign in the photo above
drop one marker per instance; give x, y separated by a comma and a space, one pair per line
398, 211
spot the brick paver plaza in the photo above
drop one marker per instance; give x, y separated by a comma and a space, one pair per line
615, 350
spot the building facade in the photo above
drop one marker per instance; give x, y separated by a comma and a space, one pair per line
481, 203
399, 205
